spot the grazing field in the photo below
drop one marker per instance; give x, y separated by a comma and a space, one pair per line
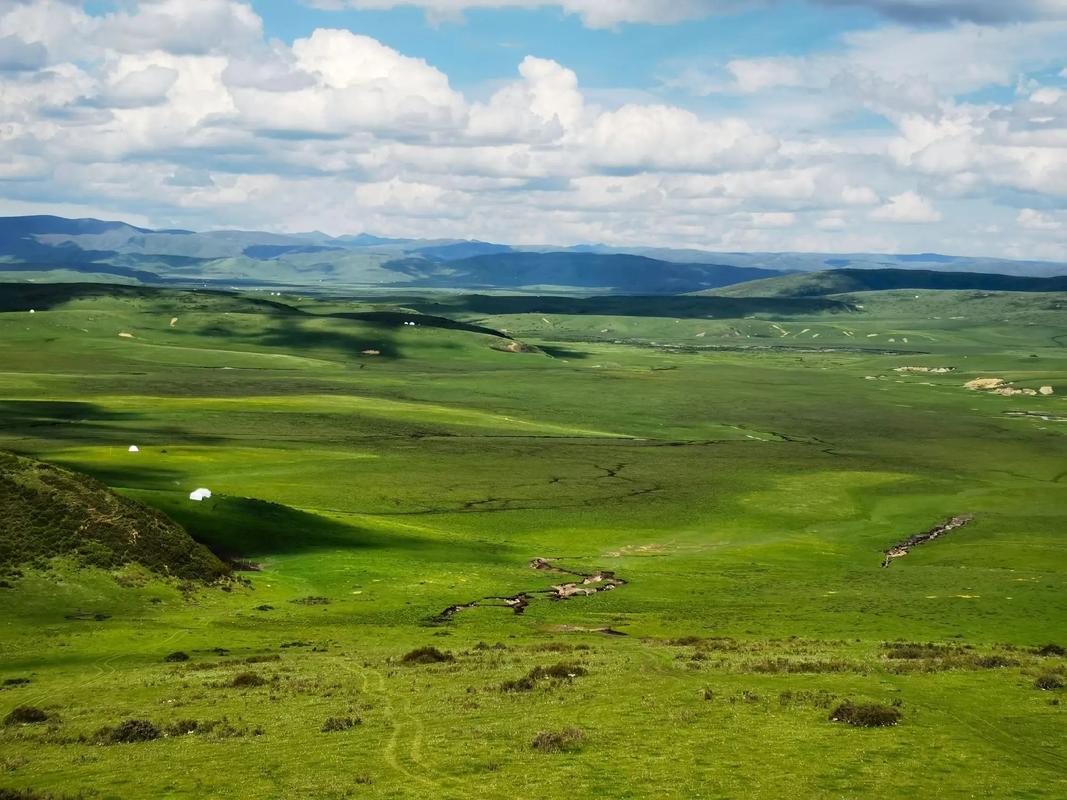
711, 491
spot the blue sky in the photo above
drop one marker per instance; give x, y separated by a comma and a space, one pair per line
830, 125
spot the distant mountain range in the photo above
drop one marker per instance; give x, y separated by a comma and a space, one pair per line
55, 248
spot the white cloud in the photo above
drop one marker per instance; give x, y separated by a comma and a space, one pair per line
907, 207
668, 138
182, 27
1036, 221
181, 112
543, 106
142, 87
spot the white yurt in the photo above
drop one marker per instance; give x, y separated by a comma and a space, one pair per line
200, 494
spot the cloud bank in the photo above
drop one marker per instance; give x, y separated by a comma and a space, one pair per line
182, 112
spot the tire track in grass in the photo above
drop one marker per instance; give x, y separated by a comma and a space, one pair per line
394, 743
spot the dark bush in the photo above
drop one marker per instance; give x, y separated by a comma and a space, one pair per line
25, 715
560, 672
1048, 683
427, 655
568, 740
246, 680
176, 656
312, 600
334, 724
133, 730
686, 641
264, 659
264, 607
1051, 650
870, 715
182, 727
915, 650
16, 681
556, 672
994, 662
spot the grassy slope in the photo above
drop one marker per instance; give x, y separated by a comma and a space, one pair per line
742, 473
49, 512
841, 281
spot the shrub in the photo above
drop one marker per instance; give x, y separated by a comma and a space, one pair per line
176, 656
262, 659
560, 672
556, 672
246, 680
16, 681
568, 740
427, 655
1051, 650
870, 715
264, 607
182, 727
312, 600
686, 641
915, 650
994, 662
334, 724
133, 730
25, 715
1048, 683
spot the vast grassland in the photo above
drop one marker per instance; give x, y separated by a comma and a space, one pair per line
743, 474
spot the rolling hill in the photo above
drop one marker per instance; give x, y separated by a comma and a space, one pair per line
49, 248
843, 281
49, 511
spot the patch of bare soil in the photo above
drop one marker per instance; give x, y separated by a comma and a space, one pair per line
587, 584
901, 550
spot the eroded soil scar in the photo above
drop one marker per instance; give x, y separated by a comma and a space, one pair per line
586, 583
901, 550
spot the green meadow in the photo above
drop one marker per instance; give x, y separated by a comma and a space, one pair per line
739, 466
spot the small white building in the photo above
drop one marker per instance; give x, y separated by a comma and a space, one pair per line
134, 448
200, 494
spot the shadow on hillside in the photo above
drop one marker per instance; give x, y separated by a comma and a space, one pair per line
85, 422
396, 319
675, 306
244, 527
562, 352
296, 335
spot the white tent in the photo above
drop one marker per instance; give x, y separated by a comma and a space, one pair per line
134, 448
200, 494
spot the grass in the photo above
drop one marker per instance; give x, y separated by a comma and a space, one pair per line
744, 483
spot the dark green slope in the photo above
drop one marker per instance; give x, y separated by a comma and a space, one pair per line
843, 281
626, 274
46, 511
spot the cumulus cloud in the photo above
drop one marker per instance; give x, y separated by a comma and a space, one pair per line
141, 87
17, 55
181, 27
1036, 221
662, 137
908, 207
347, 83
183, 113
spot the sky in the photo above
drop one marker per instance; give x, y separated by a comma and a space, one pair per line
727, 125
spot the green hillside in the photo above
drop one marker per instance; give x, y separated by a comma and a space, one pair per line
842, 281
48, 511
